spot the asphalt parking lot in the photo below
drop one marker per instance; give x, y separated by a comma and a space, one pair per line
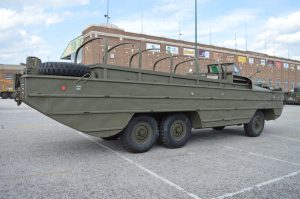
40, 158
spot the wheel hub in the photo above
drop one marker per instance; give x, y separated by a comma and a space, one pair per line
257, 123
141, 133
178, 130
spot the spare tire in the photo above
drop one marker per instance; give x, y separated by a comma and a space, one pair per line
63, 69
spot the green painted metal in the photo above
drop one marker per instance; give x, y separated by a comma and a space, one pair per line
102, 104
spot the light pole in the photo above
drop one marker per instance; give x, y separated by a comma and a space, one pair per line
210, 35
196, 41
235, 44
107, 12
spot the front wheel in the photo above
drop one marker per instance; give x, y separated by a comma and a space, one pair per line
140, 134
256, 125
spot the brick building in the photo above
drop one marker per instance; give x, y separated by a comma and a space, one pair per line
274, 71
7, 74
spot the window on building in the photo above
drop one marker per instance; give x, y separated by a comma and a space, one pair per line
286, 85
9, 76
292, 85
257, 80
270, 82
278, 83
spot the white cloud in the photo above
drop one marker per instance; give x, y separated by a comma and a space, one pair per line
46, 3
290, 23
232, 19
28, 16
282, 36
17, 36
23, 45
173, 6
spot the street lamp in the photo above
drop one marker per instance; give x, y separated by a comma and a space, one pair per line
196, 41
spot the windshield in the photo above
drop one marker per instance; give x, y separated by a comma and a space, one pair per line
228, 67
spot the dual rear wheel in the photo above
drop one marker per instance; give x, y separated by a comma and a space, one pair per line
140, 135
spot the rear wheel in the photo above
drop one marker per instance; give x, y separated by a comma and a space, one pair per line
140, 134
175, 130
218, 128
256, 125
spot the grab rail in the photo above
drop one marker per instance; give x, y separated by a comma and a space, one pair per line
82, 45
117, 45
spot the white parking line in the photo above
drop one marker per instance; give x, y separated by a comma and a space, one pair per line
271, 158
142, 168
285, 125
258, 185
262, 156
285, 138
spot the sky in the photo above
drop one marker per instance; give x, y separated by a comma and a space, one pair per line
43, 28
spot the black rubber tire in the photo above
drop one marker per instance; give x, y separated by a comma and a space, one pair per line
111, 138
218, 128
140, 134
175, 130
4, 95
11, 96
255, 127
63, 69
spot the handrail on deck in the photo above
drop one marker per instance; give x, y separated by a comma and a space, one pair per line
82, 45
117, 45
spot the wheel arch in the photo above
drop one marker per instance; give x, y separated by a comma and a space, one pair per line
192, 115
268, 113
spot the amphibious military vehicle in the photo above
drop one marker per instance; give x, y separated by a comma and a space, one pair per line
141, 106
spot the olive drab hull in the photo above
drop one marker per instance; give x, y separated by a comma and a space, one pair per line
102, 103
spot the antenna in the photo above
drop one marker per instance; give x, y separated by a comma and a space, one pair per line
142, 22
179, 31
258, 71
246, 29
273, 49
210, 35
265, 42
235, 44
107, 12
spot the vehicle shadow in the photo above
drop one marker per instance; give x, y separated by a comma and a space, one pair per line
97, 145
210, 135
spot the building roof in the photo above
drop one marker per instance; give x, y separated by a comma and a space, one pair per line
71, 48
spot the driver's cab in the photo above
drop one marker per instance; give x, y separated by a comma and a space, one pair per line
224, 71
